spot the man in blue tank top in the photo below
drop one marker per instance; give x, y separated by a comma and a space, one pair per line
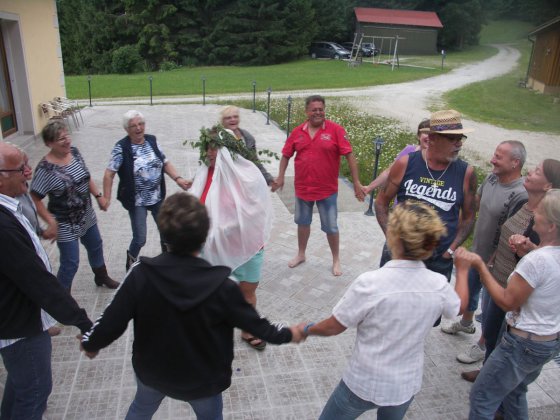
439, 178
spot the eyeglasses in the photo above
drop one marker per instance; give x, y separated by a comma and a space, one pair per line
454, 137
21, 169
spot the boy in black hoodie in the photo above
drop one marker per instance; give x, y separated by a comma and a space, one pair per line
184, 312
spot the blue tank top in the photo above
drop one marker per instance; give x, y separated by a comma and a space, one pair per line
444, 194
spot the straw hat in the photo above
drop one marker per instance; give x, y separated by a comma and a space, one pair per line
446, 122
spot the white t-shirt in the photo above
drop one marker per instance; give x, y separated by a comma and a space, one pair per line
394, 308
541, 312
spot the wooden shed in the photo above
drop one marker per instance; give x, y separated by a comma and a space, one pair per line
544, 67
419, 28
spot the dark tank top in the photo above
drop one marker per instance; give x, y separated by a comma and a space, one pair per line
445, 194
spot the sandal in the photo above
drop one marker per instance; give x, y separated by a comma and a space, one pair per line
255, 342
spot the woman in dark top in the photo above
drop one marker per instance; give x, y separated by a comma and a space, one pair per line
63, 176
190, 357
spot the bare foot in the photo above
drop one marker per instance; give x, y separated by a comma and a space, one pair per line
336, 270
296, 261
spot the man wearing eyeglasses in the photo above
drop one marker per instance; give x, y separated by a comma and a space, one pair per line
439, 178
29, 292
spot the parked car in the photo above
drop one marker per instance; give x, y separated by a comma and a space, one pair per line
367, 50
324, 49
371, 48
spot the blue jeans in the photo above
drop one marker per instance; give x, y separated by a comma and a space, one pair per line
138, 216
327, 213
29, 380
492, 322
474, 289
70, 255
344, 404
513, 365
147, 401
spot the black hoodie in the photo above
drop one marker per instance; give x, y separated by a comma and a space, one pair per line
184, 313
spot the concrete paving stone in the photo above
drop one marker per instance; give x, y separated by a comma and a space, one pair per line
282, 382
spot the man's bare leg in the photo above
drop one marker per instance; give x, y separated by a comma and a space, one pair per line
333, 239
303, 233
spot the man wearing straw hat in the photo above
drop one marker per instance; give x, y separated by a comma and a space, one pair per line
438, 177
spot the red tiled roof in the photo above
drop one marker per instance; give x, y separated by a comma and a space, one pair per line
397, 17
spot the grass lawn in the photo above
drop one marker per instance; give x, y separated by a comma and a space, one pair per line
297, 75
501, 101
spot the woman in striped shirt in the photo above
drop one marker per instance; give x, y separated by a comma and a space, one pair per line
63, 175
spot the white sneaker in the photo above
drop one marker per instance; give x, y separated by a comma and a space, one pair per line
472, 355
458, 327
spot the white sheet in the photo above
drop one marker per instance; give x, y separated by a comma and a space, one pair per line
240, 208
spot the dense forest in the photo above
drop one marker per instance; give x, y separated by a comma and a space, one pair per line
105, 36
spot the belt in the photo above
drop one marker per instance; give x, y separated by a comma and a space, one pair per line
531, 336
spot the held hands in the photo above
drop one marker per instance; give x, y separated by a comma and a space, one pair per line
359, 191
51, 231
463, 259
366, 190
277, 184
298, 335
103, 203
520, 245
184, 184
89, 354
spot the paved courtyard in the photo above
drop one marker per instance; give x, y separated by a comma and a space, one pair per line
282, 382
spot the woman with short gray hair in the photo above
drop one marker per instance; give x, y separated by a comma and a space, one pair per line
140, 162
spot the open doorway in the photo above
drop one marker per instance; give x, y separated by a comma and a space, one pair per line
8, 120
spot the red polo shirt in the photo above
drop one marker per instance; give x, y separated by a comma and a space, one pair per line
317, 161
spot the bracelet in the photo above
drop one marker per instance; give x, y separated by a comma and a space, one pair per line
177, 177
450, 252
100, 194
306, 328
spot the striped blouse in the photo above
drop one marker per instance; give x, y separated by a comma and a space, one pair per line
67, 187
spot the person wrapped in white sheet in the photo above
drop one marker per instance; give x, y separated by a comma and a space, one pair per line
239, 204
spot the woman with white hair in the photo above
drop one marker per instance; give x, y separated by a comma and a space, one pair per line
140, 162
532, 328
230, 120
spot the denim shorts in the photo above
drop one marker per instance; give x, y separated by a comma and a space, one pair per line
251, 270
327, 212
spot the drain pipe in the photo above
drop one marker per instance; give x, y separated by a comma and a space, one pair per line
532, 41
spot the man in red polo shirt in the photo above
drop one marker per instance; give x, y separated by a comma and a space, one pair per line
318, 144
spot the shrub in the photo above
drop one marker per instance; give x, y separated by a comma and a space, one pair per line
168, 66
126, 59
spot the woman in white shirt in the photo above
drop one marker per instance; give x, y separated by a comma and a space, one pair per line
532, 336
385, 369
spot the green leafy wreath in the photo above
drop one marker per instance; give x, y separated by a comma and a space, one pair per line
218, 136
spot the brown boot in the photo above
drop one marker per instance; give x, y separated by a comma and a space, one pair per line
470, 376
102, 278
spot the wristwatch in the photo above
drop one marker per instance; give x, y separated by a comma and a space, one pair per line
450, 252
100, 194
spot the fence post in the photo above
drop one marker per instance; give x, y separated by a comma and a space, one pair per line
151, 101
378, 142
89, 88
254, 95
289, 115
203, 90
268, 91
